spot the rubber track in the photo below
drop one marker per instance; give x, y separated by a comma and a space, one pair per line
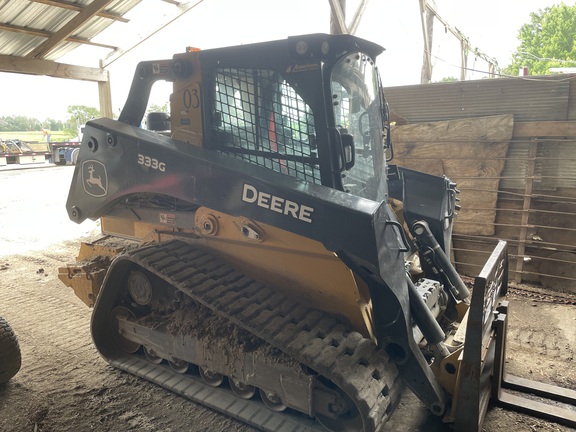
251, 412
316, 339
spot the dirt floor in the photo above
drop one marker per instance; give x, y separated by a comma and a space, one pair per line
64, 385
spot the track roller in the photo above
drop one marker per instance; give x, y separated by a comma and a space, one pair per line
151, 356
242, 390
211, 378
272, 400
179, 366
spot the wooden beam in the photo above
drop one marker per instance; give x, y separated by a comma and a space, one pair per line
530, 169
51, 68
67, 29
338, 20
543, 129
357, 17
464, 41
74, 7
165, 20
46, 34
427, 22
463, 59
105, 96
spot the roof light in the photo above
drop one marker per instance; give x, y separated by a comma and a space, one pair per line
301, 47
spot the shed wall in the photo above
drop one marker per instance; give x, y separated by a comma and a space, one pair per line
521, 189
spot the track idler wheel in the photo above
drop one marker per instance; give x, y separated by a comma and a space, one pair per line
140, 288
343, 417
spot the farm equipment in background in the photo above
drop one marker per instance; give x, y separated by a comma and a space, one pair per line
15, 151
65, 153
282, 272
25, 153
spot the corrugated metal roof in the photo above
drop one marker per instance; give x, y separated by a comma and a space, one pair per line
528, 98
26, 24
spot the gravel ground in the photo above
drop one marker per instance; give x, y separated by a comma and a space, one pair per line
64, 385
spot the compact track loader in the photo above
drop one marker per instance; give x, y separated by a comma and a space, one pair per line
286, 274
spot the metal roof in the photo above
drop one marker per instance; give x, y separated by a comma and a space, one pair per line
49, 29
528, 98
36, 36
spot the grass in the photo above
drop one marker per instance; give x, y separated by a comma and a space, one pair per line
34, 136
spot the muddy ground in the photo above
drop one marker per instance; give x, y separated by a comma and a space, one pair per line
65, 386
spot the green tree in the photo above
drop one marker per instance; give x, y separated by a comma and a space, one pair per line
158, 108
79, 115
53, 125
547, 41
19, 123
83, 113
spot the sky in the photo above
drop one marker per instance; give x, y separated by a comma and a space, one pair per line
490, 25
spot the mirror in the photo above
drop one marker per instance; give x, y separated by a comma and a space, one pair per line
158, 121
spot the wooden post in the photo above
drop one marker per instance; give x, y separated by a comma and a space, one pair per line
464, 59
105, 95
427, 32
530, 169
338, 17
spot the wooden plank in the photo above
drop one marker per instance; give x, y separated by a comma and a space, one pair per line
72, 6
166, 18
470, 152
105, 97
67, 29
46, 34
51, 68
526, 207
541, 129
485, 129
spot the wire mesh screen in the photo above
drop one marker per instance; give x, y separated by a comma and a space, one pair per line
259, 118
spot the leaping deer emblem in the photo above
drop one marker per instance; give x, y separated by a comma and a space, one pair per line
94, 181
94, 178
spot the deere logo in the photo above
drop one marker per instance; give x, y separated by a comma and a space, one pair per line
95, 179
277, 204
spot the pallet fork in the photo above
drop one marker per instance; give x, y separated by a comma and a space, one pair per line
482, 371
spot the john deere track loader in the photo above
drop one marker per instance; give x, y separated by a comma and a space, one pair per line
286, 274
